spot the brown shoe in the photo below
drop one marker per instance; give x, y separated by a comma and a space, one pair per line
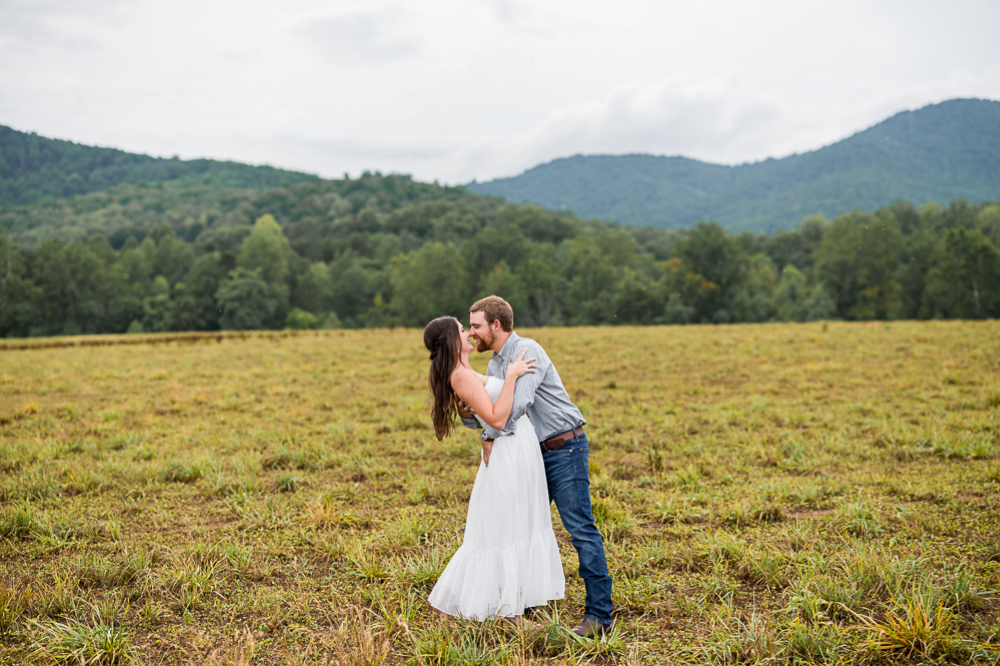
590, 628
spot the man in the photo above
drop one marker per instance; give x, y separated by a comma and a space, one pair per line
559, 425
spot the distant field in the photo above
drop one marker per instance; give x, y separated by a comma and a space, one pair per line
812, 493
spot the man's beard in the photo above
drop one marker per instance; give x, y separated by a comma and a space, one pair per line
483, 344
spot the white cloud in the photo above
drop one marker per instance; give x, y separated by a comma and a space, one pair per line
508, 11
58, 25
706, 119
721, 121
454, 90
361, 37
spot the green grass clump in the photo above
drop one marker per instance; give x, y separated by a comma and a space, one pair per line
912, 630
17, 523
78, 643
614, 520
181, 472
287, 483
14, 600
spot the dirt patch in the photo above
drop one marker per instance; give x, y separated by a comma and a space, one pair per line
812, 513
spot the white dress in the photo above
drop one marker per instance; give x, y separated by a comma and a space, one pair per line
509, 558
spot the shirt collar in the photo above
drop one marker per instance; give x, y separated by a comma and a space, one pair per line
507, 347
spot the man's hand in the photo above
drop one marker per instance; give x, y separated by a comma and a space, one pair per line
487, 450
464, 411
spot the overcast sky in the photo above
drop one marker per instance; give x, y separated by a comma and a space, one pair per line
463, 89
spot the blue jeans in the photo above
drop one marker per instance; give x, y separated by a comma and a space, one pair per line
567, 470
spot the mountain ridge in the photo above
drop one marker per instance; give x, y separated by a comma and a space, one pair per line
940, 152
34, 168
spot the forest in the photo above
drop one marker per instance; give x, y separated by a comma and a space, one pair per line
383, 251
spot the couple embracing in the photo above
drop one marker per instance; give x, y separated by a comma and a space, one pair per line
534, 452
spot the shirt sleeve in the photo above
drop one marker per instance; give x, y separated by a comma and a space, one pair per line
524, 390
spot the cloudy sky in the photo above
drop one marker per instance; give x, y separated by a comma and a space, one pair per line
461, 89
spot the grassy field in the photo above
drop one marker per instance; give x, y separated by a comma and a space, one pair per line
814, 493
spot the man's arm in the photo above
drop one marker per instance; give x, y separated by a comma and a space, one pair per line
524, 390
465, 414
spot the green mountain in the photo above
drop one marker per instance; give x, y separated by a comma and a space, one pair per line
33, 168
939, 153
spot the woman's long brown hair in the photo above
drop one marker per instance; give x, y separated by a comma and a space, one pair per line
442, 341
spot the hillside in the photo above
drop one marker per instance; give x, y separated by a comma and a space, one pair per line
190, 207
33, 167
938, 153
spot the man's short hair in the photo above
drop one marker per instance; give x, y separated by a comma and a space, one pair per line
495, 308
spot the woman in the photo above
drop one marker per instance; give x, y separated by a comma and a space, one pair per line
509, 559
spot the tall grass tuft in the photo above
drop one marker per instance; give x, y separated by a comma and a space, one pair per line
656, 457
56, 599
287, 458
741, 642
914, 629
287, 483
78, 643
859, 518
366, 565
96, 571
745, 511
421, 571
359, 643
613, 519
190, 582
323, 512
14, 600
239, 653
17, 523
813, 643
181, 472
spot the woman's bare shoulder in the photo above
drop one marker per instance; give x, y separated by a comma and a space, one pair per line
466, 375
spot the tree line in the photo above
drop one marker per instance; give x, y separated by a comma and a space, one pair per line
386, 251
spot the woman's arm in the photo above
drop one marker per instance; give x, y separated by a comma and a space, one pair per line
468, 387
464, 410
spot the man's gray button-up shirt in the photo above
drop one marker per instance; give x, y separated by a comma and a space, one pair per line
540, 395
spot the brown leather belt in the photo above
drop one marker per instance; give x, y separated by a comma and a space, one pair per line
560, 439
